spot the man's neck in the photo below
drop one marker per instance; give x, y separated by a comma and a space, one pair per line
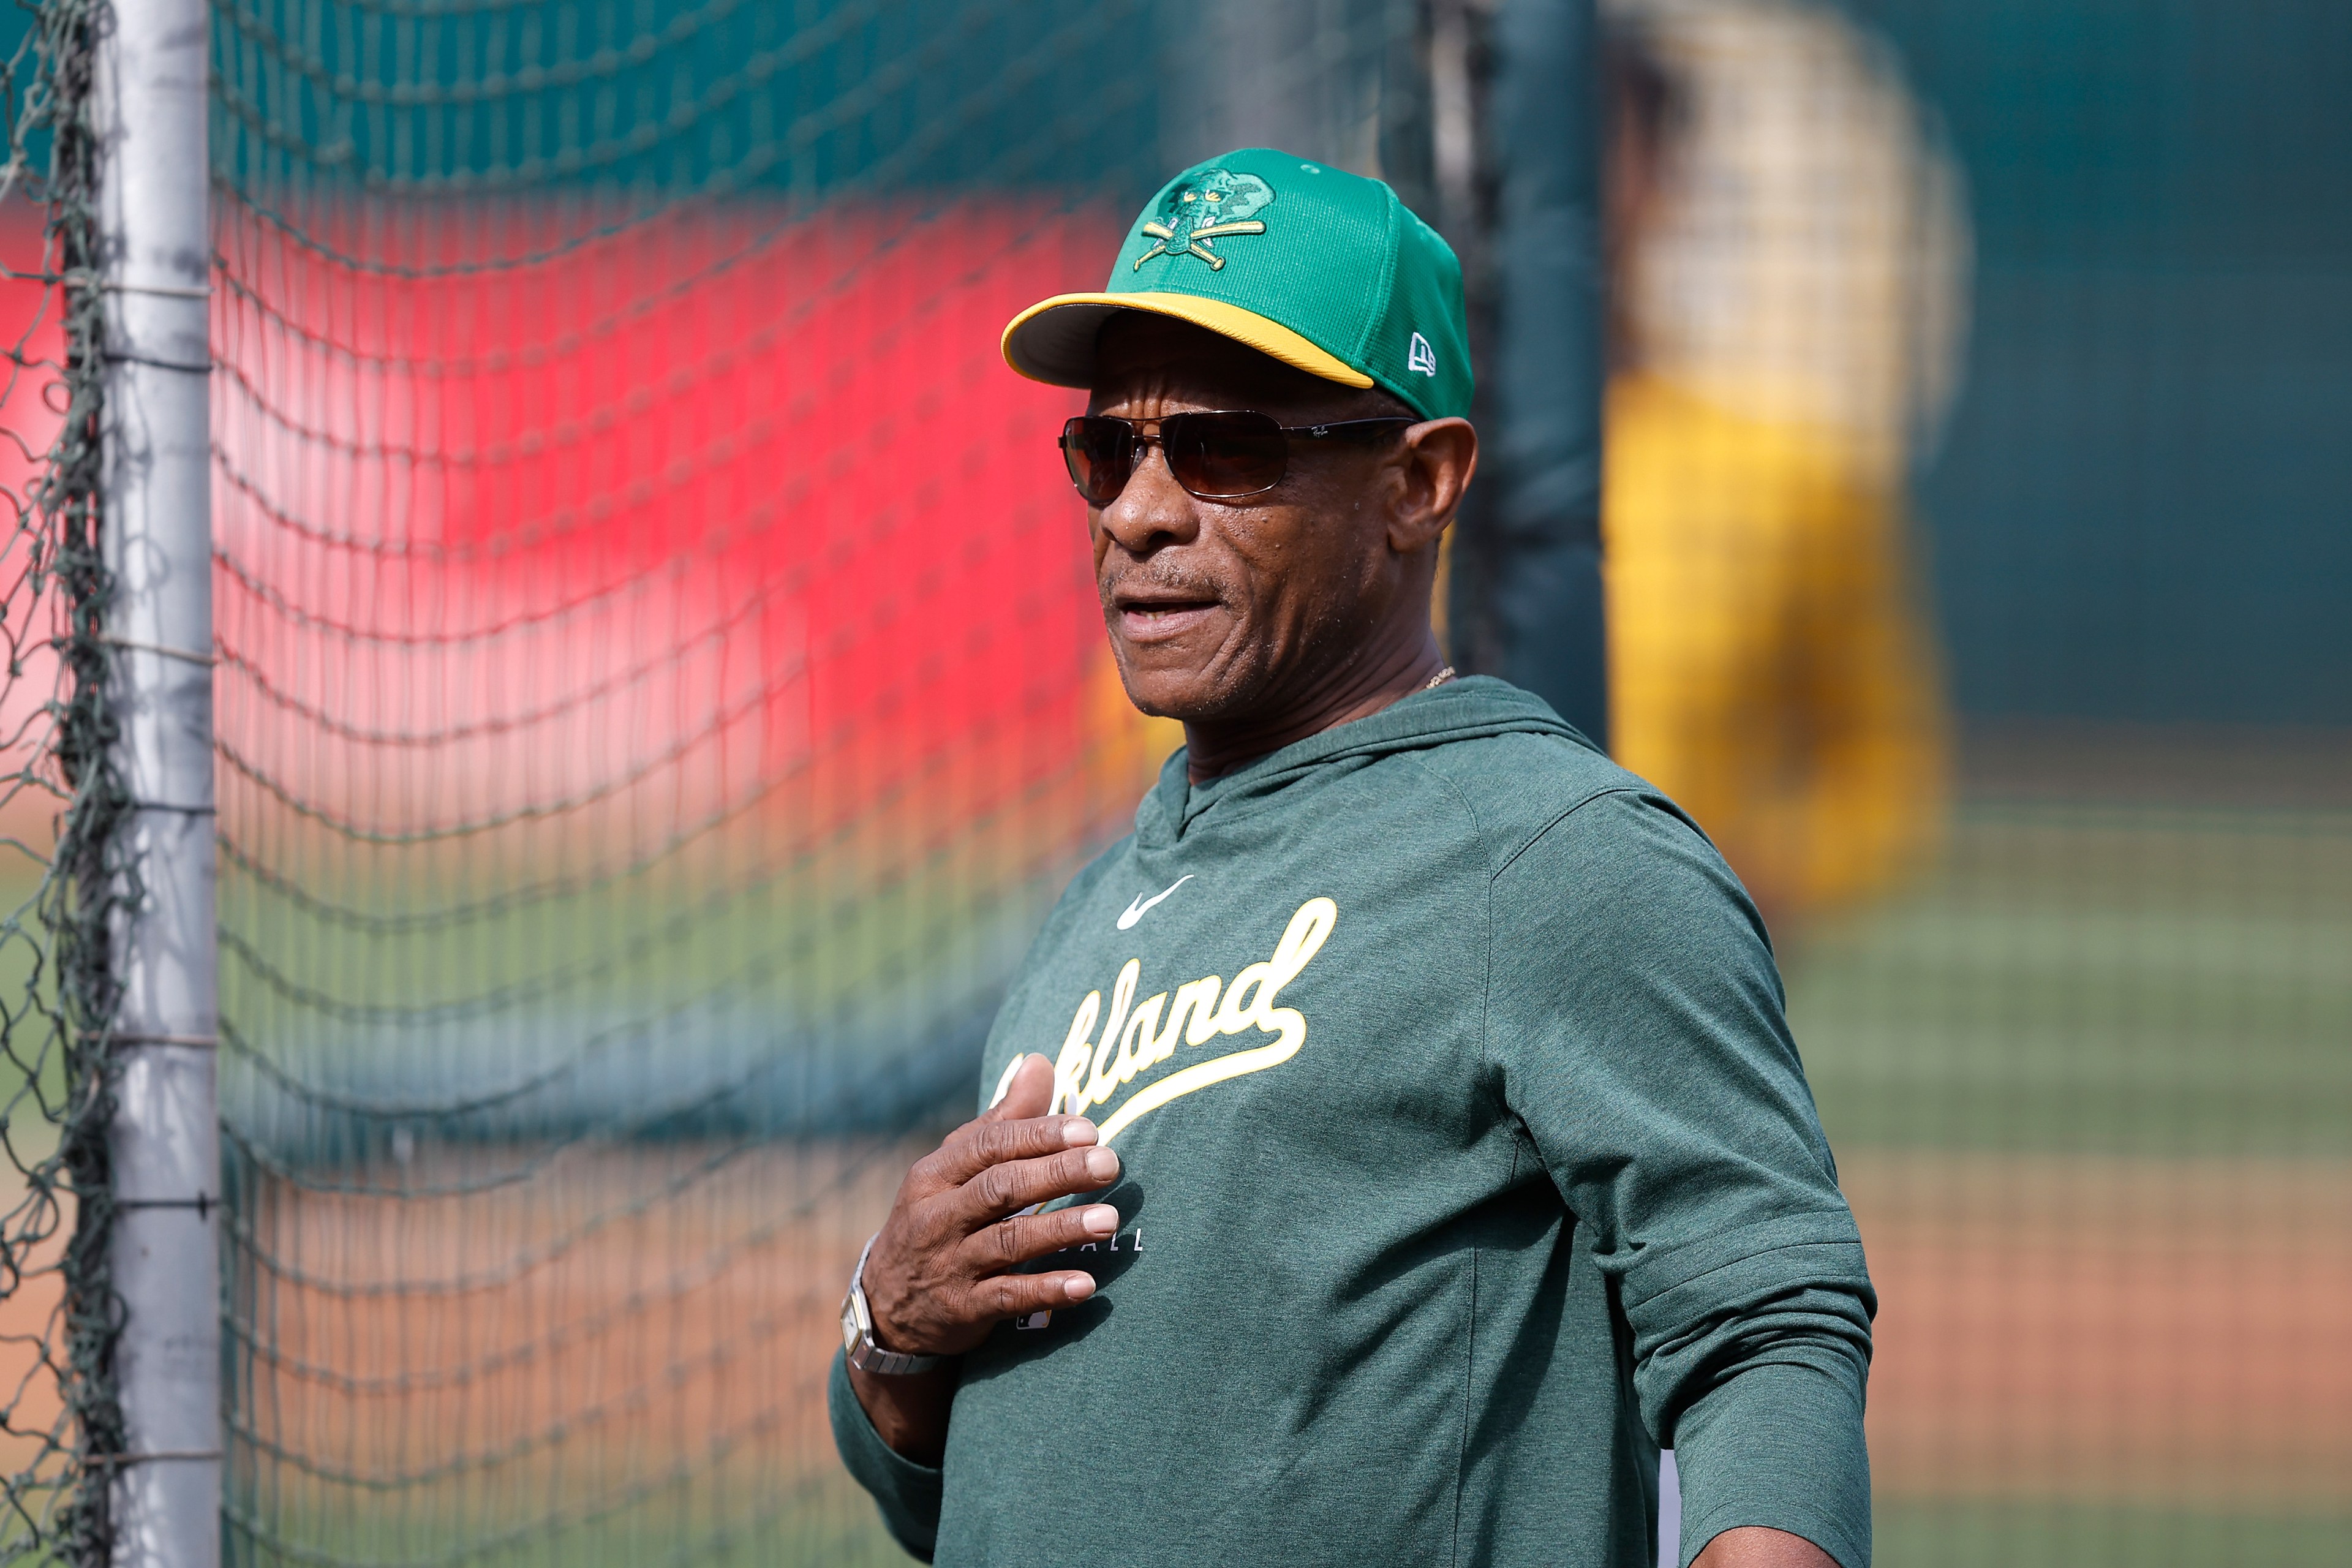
1217, 747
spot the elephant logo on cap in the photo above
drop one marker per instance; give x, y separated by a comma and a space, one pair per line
1206, 208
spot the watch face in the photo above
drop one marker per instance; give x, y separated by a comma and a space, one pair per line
850, 1332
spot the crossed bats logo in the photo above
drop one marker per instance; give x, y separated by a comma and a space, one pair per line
1217, 204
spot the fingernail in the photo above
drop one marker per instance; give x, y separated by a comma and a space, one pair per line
1080, 1287
1077, 1130
1101, 1165
1100, 1220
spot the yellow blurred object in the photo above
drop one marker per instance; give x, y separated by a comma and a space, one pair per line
1807, 252
1768, 664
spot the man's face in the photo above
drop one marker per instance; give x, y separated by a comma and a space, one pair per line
1220, 610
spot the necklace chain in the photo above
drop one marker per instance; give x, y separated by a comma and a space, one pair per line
1440, 678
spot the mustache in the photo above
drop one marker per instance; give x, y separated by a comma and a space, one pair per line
1168, 577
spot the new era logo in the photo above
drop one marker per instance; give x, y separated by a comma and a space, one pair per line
1420, 356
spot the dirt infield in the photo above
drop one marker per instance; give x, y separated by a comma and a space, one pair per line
2080, 1329
614, 1317
2128, 1330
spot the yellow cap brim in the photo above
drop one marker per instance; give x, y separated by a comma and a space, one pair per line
1054, 340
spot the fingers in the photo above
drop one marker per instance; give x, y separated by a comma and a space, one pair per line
1011, 1242
1027, 1092
998, 1190
976, 1146
1018, 1295
936, 1275
944, 1298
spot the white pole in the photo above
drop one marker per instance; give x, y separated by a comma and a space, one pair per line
149, 111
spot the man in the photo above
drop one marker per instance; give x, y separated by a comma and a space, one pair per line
1437, 1147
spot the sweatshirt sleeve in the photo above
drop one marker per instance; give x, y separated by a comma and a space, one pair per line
907, 1493
1636, 1019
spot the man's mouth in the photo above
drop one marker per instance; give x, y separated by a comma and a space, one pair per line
1148, 616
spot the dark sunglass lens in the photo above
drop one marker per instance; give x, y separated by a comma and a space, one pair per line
1225, 454
1100, 454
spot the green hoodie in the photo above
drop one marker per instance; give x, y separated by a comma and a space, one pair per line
1468, 1160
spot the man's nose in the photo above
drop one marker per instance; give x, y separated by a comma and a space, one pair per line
1153, 510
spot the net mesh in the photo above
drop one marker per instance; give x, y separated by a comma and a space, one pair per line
61, 874
659, 691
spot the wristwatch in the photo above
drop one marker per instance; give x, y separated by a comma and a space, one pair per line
857, 1331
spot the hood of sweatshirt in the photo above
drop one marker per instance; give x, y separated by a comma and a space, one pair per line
1474, 708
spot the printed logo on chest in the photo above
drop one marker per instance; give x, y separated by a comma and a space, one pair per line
1137, 1036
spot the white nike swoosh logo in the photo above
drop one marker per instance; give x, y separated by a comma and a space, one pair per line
1143, 906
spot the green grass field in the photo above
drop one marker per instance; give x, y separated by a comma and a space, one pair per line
2060, 1535
823, 1521
2075, 978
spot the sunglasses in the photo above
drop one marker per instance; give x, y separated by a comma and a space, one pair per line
1215, 457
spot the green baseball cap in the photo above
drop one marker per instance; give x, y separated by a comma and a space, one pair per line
1324, 270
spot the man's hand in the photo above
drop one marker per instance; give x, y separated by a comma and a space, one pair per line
940, 1276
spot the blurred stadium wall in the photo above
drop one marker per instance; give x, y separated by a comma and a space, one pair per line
659, 691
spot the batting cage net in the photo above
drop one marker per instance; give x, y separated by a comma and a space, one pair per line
659, 690
61, 803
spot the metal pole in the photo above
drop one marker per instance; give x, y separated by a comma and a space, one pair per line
150, 113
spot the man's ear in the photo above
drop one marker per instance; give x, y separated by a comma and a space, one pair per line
1432, 470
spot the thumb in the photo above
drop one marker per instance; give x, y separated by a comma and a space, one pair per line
1027, 1090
